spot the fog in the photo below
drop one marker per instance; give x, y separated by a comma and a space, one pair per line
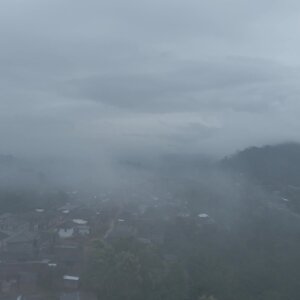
149, 150
126, 96
107, 79
106, 95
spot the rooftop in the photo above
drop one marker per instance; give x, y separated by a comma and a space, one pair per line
80, 221
68, 277
203, 215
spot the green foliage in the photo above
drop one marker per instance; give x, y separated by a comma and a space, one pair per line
137, 272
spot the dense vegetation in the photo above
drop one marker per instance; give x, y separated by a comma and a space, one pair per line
272, 166
131, 270
275, 168
249, 249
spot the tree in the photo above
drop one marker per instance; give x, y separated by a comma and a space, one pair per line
133, 271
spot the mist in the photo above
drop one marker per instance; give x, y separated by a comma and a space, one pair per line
149, 150
104, 80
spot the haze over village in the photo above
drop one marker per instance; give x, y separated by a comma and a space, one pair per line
149, 150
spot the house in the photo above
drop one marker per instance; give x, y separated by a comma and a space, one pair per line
66, 232
83, 230
71, 282
74, 228
81, 227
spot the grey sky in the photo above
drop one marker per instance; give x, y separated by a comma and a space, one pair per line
95, 77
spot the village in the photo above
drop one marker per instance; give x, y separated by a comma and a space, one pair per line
47, 249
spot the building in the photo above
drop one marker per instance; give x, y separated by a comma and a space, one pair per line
71, 282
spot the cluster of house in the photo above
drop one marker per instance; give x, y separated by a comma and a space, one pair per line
44, 249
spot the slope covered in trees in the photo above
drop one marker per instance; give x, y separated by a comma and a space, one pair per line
272, 166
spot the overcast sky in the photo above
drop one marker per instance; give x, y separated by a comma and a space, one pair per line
90, 77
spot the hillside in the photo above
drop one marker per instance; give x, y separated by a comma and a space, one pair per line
273, 166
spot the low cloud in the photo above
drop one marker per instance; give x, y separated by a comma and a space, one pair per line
106, 78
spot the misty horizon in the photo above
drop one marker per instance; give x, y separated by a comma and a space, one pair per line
98, 79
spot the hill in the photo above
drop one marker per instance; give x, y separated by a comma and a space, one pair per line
275, 166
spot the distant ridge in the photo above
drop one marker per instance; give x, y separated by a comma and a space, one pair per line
273, 166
